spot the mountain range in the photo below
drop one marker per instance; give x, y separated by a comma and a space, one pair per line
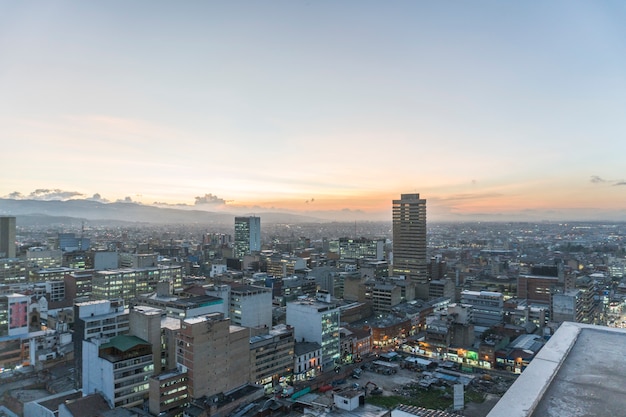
77, 210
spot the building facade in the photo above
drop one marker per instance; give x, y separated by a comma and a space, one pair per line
271, 356
317, 321
247, 236
7, 237
118, 368
215, 355
128, 283
409, 238
251, 306
488, 306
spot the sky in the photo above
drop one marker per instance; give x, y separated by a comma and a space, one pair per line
490, 110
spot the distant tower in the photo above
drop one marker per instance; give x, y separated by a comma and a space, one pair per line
409, 238
247, 235
7, 237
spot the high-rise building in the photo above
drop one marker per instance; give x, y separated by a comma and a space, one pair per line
7, 237
409, 239
247, 236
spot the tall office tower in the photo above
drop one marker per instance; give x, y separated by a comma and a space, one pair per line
247, 235
7, 237
409, 240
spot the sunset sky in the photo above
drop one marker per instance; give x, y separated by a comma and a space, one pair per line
490, 110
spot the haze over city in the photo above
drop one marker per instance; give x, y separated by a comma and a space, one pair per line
489, 110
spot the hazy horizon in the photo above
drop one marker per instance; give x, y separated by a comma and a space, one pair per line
491, 111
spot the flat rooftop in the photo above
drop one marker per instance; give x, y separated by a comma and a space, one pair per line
579, 372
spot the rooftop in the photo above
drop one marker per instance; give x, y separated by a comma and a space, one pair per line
124, 342
579, 372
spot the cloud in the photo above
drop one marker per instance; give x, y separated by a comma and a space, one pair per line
53, 194
97, 197
125, 200
16, 195
469, 196
597, 180
209, 199
164, 204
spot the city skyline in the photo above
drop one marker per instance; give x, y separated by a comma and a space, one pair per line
489, 111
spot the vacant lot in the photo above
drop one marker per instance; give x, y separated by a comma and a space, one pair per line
402, 387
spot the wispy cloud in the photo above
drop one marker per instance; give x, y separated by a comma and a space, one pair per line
597, 180
468, 196
53, 194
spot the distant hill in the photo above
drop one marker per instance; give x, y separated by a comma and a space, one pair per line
70, 211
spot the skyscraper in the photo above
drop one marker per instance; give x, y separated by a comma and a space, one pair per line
409, 239
247, 235
7, 237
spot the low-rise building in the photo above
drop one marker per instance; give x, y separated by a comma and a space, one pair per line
307, 361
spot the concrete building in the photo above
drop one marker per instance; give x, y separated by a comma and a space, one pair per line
101, 319
182, 307
358, 248
579, 372
245, 305
488, 306
409, 241
572, 306
168, 393
385, 296
118, 368
14, 314
272, 356
128, 283
317, 321
145, 323
106, 260
78, 285
42, 258
537, 288
281, 266
247, 236
438, 288
307, 360
250, 306
13, 271
7, 237
215, 354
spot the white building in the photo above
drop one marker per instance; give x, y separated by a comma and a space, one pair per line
245, 305
317, 321
308, 360
488, 306
349, 399
118, 368
251, 306
100, 318
14, 314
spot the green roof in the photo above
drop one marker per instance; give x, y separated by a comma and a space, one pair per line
124, 342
